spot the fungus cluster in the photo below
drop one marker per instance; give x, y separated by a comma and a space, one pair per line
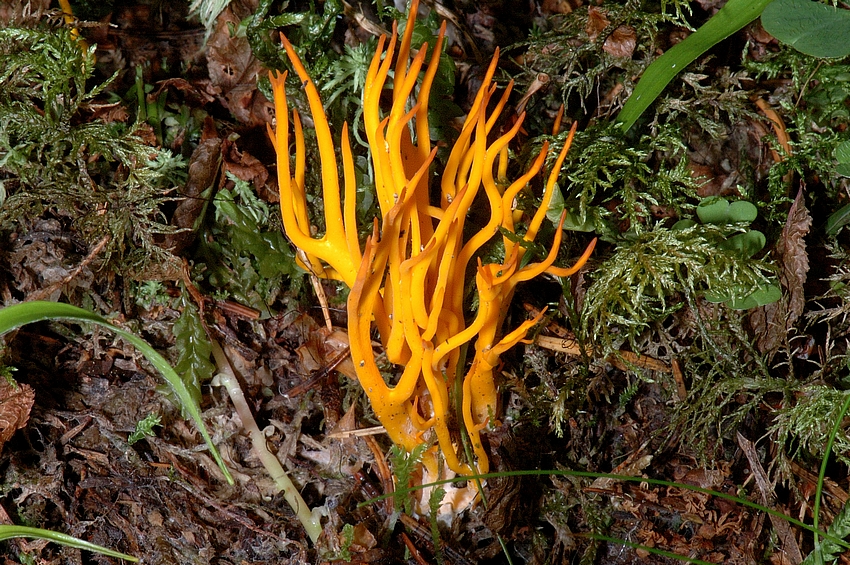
409, 278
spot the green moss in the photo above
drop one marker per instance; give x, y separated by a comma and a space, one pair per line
653, 275
97, 177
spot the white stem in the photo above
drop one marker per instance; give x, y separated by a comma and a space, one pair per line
281, 480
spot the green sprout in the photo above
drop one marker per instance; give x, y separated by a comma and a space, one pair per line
144, 428
732, 218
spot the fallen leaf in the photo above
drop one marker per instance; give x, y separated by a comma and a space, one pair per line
621, 43
234, 70
243, 165
229, 56
793, 257
771, 323
16, 401
549, 7
596, 22
203, 170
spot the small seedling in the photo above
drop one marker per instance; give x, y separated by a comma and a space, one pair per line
732, 217
144, 428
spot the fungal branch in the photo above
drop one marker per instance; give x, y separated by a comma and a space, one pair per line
409, 278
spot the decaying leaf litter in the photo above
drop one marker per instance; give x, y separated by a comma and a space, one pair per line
642, 367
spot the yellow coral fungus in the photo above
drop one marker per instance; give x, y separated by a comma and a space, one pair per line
409, 278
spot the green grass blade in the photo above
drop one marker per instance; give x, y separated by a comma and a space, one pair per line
13, 317
8, 532
732, 17
822, 474
837, 220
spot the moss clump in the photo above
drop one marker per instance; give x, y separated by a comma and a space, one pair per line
97, 178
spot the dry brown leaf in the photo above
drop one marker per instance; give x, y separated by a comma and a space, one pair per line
230, 60
549, 7
771, 323
234, 69
203, 170
16, 401
108, 113
596, 22
243, 165
621, 43
793, 257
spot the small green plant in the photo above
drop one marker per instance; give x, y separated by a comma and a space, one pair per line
193, 348
6, 372
828, 551
435, 500
404, 465
149, 294
344, 553
733, 219
243, 253
144, 428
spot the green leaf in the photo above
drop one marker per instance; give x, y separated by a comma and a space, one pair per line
760, 297
13, 317
556, 206
745, 244
684, 224
842, 155
193, 345
718, 211
572, 222
742, 212
732, 17
713, 210
837, 220
9, 532
810, 27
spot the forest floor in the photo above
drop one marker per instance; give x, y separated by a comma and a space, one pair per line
675, 388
